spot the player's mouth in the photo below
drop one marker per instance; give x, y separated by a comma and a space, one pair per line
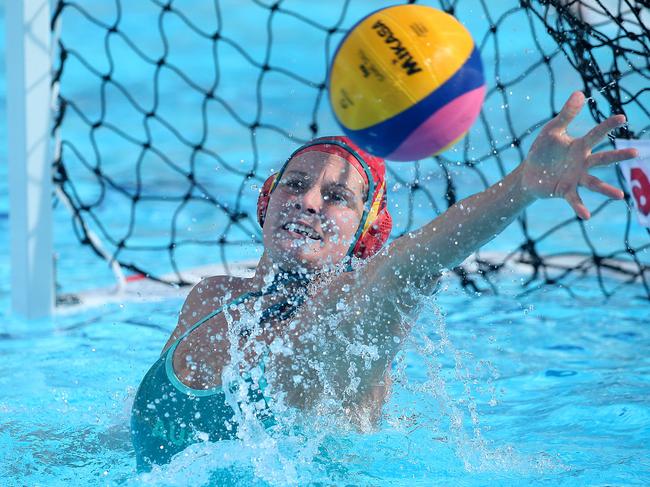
302, 230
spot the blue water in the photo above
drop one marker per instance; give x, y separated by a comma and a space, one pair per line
544, 389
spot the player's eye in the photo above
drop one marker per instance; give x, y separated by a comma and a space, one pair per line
338, 197
295, 184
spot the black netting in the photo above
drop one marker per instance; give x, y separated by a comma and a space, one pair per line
170, 116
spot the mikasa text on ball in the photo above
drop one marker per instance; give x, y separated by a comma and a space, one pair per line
407, 82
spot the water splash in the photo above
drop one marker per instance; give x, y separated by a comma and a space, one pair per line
431, 423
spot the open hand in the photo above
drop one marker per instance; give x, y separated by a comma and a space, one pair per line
557, 163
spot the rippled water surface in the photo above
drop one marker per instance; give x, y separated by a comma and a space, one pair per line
544, 389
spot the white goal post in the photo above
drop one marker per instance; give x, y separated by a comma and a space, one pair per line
28, 64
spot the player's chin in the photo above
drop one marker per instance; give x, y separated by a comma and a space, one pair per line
310, 256
297, 251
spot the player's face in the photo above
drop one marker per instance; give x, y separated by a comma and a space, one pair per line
314, 212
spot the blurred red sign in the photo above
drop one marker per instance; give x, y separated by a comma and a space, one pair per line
637, 176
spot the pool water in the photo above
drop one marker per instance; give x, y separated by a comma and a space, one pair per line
489, 390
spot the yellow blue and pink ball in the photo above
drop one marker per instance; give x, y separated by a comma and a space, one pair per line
407, 82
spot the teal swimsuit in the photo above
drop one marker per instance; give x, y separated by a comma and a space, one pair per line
168, 416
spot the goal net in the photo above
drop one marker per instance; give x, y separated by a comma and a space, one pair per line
170, 115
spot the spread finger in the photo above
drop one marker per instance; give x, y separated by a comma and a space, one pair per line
599, 132
608, 157
569, 111
578, 206
599, 186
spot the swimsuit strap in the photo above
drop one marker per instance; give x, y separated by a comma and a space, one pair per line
277, 309
214, 313
282, 310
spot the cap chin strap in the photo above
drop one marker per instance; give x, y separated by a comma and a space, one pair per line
371, 186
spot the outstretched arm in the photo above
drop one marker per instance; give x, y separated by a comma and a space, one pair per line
554, 168
420, 256
378, 296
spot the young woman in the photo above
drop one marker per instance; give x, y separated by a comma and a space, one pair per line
327, 308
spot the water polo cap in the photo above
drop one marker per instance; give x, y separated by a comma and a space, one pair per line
376, 222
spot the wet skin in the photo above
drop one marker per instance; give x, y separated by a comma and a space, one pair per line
311, 220
378, 300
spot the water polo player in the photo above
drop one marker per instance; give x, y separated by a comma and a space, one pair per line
328, 306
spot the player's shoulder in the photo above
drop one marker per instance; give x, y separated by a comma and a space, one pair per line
214, 289
205, 296
221, 283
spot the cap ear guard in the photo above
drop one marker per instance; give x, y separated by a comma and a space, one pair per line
374, 238
264, 197
376, 229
